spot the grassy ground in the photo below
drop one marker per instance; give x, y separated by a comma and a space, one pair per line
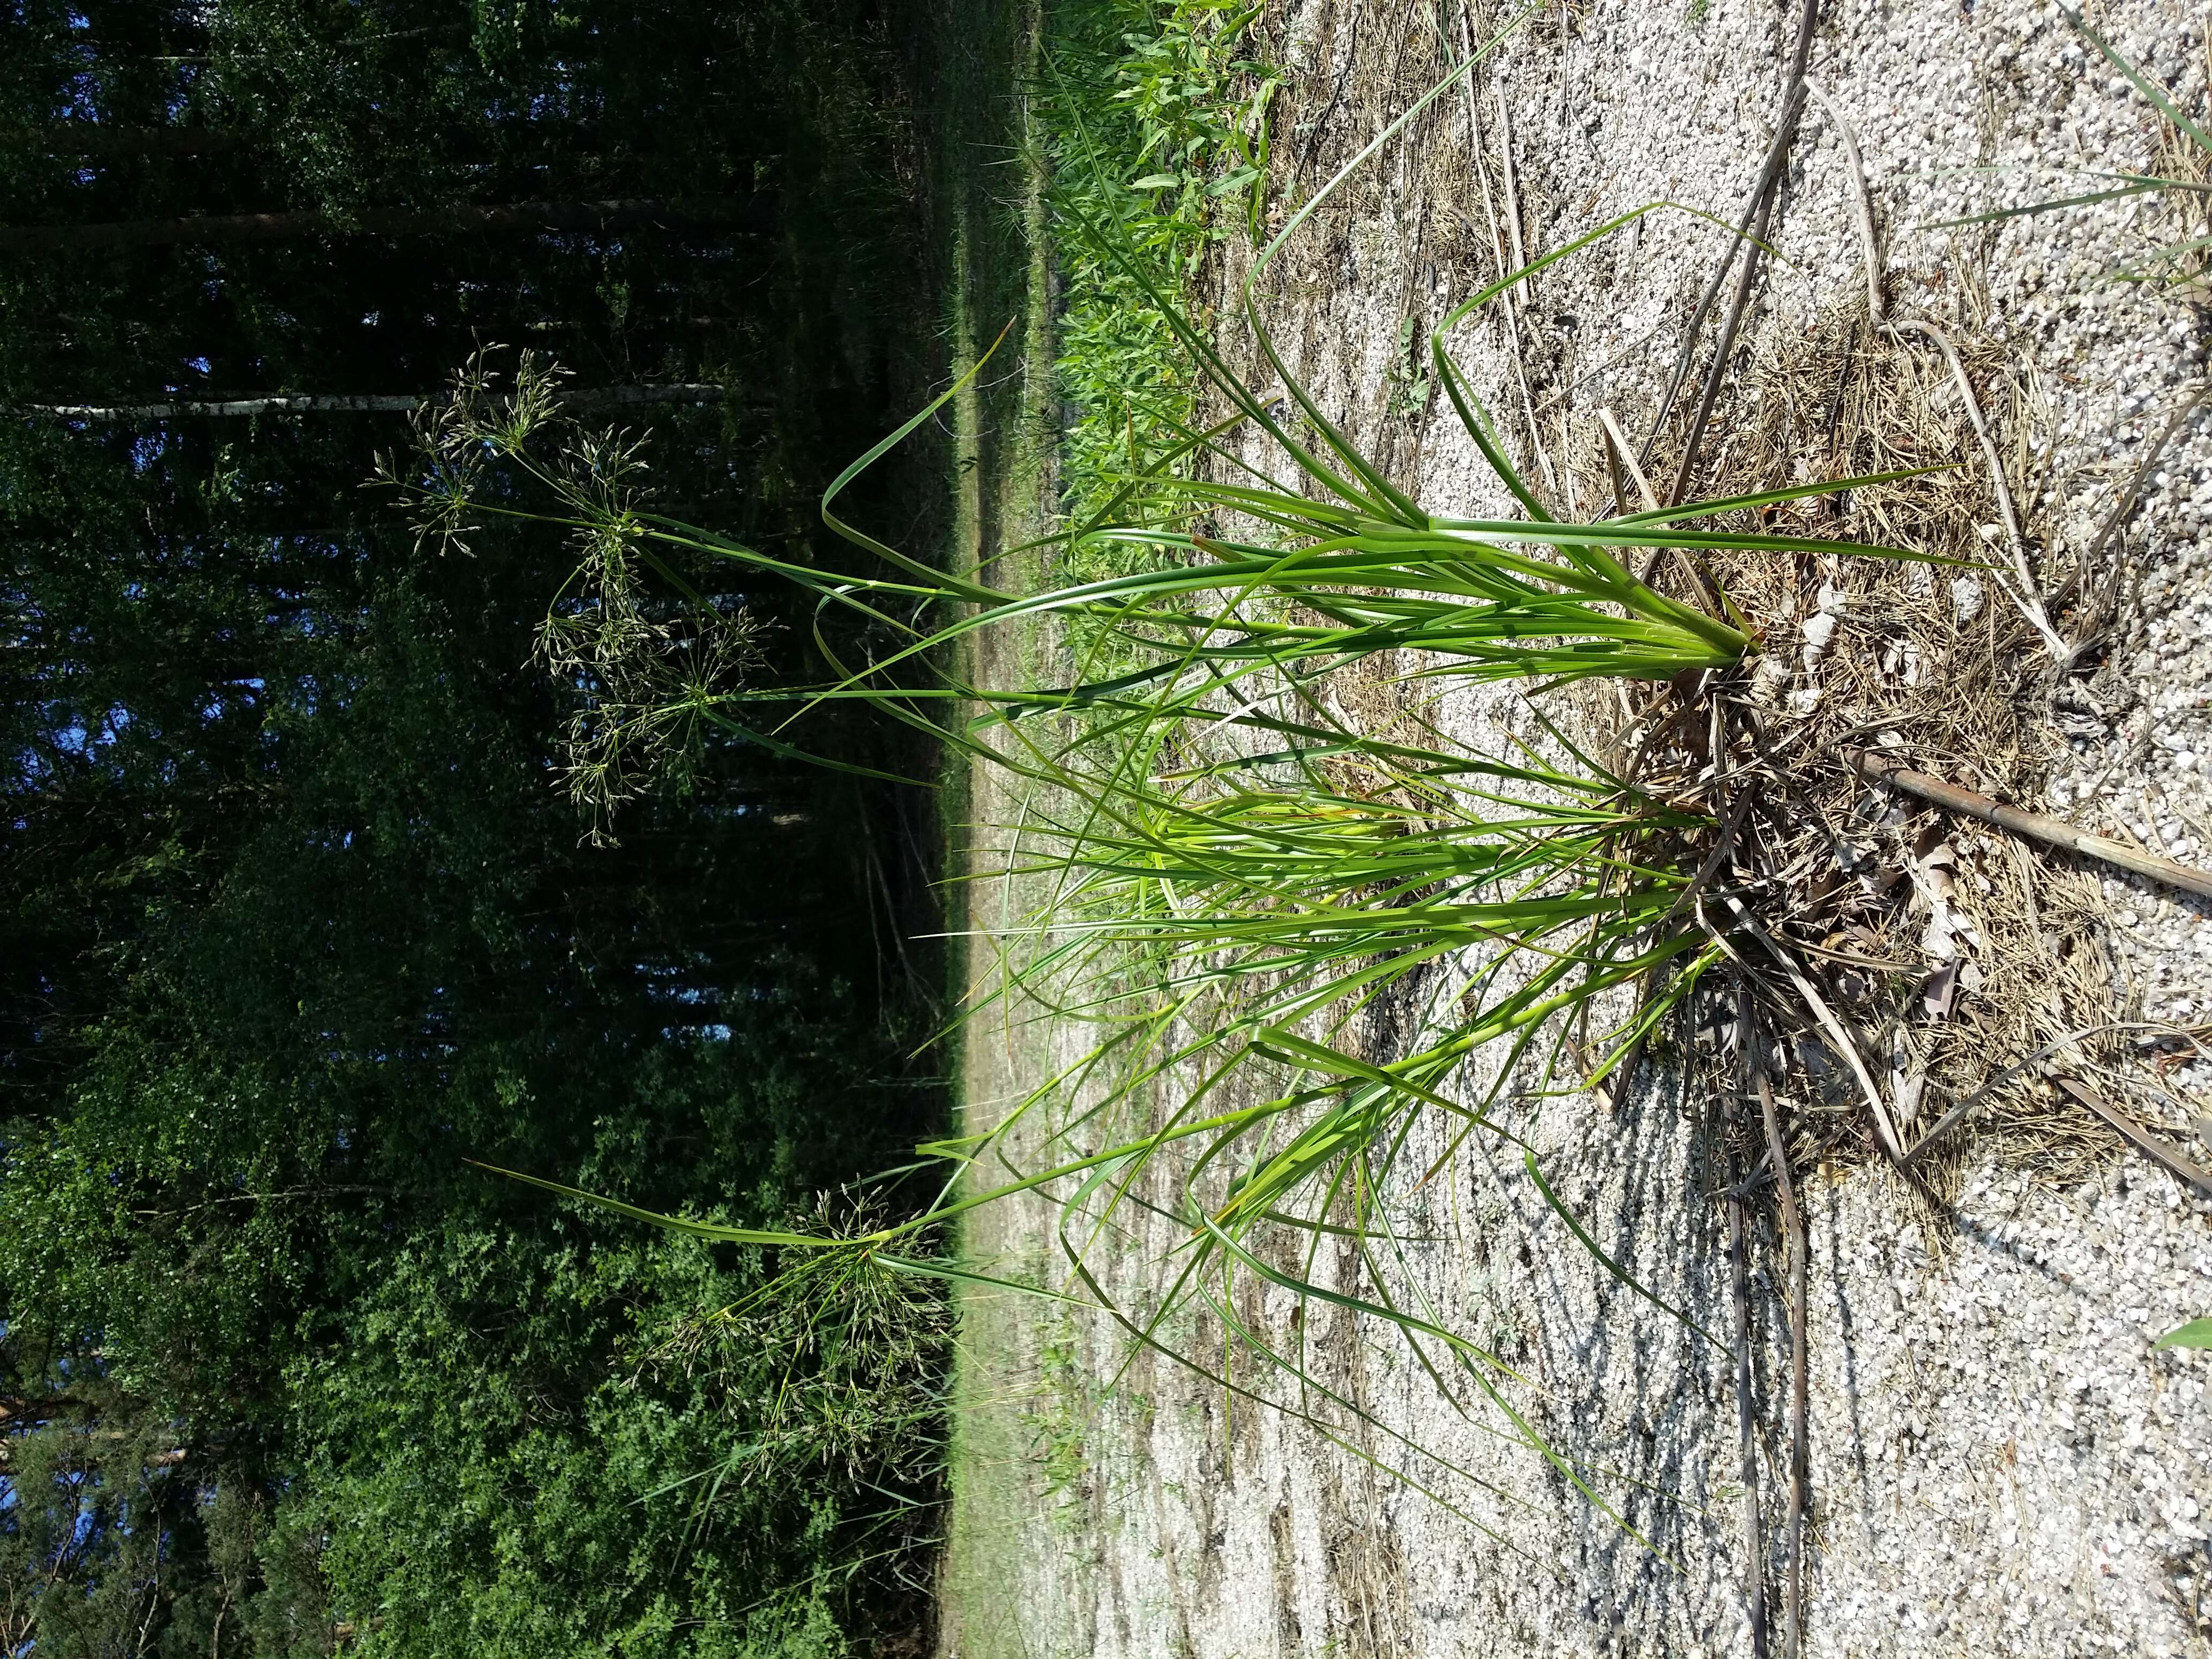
997, 276
1132, 113
1154, 126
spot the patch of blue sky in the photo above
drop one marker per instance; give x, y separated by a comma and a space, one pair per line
81, 736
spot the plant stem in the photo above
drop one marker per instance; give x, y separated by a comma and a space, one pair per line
1769, 172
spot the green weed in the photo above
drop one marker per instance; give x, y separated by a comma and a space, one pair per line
1060, 1417
1410, 383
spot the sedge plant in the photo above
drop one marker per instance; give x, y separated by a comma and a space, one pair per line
1235, 880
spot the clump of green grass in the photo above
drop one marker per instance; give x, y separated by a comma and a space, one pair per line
1288, 903
852, 1350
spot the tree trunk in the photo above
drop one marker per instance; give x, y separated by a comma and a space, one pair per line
15, 1410
160, 1460
347, 403
743, 214
102, 138
98, 138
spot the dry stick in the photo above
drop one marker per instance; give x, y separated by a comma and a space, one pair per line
1705, 302
1739, 1264
2030, 605
1746, 1422
2033, 826
1839, 1037
1693, 898
1620, 467
1567, 465
1762, 190
1747, 1430
1514, 301
1745, 280
1620, 456
1497, 248
1843, 387
2136, 1136
1604, 371
1861, 200
1619, 484
1959, 1113
2093, 614
1793, 1227
1512, 188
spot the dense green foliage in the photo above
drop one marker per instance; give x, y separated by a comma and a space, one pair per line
1158, 127
297, 919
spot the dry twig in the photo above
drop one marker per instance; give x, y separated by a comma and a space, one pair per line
1513, 298
2135, 1134
1793, 1232
1745, 1417
2094, 613
2035, 826
1861, 200
2030, 605
1755, 220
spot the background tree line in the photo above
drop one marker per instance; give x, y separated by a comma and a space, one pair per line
295, 918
